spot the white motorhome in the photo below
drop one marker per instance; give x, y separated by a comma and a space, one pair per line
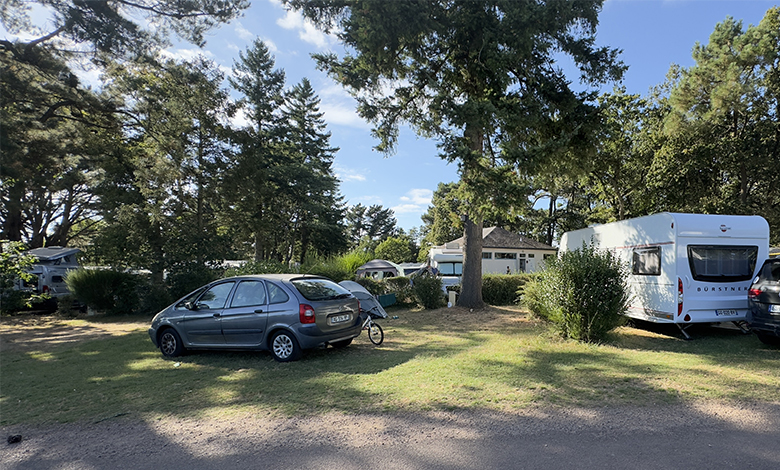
684, 268
51, 267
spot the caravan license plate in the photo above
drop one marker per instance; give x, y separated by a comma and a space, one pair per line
339, 319
726, 313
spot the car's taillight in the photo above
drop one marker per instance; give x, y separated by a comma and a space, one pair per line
679, 296
754, 293
45, 289
306, 313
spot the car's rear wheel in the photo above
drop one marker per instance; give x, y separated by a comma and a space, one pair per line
769, 340
170, 343
284, 347
375, 334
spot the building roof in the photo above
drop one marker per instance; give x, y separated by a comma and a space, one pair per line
51, 253
497, 237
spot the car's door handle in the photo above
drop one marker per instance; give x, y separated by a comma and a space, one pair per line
259, 310
217, 315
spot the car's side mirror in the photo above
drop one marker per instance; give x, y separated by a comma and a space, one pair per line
191, 305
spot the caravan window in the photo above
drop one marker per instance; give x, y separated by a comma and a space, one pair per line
646, 261
720, 263
450, 269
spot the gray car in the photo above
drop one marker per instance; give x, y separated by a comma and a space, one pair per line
764, 303
281, 313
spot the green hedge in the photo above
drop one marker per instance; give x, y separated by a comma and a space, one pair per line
105, 290
427, 292
402, 288
116, 292
502, 289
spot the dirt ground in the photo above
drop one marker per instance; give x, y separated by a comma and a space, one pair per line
709, 435
42, 332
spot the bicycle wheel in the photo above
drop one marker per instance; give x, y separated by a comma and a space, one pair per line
375, 334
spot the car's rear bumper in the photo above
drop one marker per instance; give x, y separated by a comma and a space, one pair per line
310, 336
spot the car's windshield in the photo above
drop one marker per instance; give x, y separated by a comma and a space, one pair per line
320, 289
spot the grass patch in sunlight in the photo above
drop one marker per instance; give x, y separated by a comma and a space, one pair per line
446, 359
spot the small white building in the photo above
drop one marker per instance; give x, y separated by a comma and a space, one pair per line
502, 252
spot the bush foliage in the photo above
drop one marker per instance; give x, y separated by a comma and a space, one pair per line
427, 292
502, 289
106, 290
402, 288
584, 293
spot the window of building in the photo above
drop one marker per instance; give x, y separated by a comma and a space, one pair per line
530, 255
487, 255
506, 255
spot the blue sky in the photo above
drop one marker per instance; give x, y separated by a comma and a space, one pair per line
653, 34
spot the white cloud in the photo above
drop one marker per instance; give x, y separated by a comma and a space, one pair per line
345, 174
339, 113
306, 30
244, 33
406, 208
339, 107
415, 200
418, 196
186, 54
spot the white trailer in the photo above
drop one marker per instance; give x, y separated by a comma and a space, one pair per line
684, 268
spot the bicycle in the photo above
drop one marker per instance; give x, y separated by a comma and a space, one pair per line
375, 333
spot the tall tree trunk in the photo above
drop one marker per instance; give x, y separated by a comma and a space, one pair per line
471, 285
471, 282
14, 222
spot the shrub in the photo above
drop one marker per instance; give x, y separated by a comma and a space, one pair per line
13, 268
584, 292
105, 290
501, 289
259, 267
375, 287
402, 288
330, 269
185, 278
427, 292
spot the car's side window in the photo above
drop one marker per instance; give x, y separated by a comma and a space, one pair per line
276, 294
216, 296
249, 294
190, 298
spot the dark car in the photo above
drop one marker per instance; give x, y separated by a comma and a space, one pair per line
281, 313
764, 303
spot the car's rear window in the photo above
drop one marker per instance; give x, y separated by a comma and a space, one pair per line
320, 289
770, 272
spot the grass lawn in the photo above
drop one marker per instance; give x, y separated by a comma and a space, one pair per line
496, 359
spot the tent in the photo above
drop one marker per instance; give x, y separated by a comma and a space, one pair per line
380, 269
367, 301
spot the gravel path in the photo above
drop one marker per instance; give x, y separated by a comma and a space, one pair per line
707, 437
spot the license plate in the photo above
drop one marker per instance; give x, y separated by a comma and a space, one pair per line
774, 309
726, 313
339, 319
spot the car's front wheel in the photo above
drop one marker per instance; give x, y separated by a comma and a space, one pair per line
170, 343
284, 347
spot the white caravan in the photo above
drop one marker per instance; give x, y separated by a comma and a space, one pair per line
684, 268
